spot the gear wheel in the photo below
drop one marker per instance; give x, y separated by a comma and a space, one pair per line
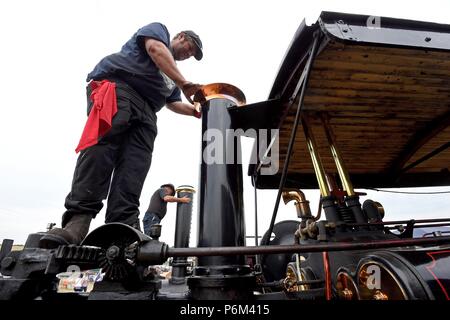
119, 244
81, 254
118, 261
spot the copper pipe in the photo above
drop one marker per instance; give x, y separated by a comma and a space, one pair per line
342, 170
327, 274
315, 158
301, 204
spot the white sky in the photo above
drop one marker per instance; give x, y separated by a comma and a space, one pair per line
48, 47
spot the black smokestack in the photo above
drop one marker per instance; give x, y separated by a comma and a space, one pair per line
221, 209
182, 233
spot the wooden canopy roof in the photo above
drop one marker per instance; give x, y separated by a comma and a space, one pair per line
385, 93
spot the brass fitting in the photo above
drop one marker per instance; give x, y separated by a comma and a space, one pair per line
380, 296
301, 204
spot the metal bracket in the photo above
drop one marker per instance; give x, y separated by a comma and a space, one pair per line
345, 30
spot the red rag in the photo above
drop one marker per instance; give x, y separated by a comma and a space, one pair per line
102, 112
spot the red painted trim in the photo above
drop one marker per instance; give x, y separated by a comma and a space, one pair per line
326, 269
433, 264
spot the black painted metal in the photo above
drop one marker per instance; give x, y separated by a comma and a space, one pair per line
405, 274
337, 246
106, 290
354, 205
304, 80
6, 248
430, 225
401, 222
235, 286
221, 208
33, 240
361, 180
274, 265
182, 235
432, 269
25, 271
385, 31
256, 210
443, 147
330, 209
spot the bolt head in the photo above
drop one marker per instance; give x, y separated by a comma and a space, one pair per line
112, 252
8, 263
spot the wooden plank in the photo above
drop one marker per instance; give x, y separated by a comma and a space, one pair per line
376, 77
427, 60
331, 84
419, 139
400, 96
346, 66
377, 102
341, 122
373, 105
400, 52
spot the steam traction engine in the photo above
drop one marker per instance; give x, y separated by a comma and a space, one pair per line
371, 103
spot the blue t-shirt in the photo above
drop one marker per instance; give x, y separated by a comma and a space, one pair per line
157, 204
134, 66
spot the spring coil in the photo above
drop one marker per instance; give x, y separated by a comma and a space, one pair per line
346, 214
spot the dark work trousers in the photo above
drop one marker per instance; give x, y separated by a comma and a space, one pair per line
118, 163
150, 219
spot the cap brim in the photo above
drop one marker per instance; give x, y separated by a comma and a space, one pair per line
199, 54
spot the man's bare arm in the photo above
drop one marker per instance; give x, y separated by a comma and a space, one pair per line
163, 59
183, 108
175, 199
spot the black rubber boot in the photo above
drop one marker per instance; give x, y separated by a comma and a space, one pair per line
73, 232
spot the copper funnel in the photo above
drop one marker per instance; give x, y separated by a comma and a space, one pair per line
221, 91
